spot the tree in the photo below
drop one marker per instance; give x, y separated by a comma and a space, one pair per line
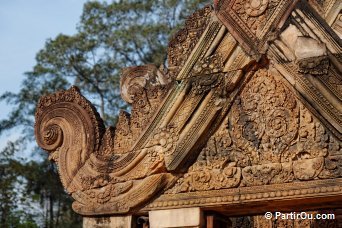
109, 37
10, 193
8, 174
48, 189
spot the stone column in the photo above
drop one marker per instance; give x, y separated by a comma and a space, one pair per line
184, 217
108, 222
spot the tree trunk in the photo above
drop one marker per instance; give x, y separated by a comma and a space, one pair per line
51, 211
58, 212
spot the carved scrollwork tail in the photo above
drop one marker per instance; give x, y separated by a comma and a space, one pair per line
70, 129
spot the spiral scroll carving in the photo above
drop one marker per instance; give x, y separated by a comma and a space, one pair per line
53, 135
68, 126
100, 178
266, 118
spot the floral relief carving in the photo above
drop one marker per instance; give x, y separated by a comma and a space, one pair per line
204, 84
322, 6
255, 13
209, 65
273, 173
268, 137
254, 23
165, 138
123, 134
213, 169
265, 120
209, 178
184, 41
144, 87
332, 80
255, 8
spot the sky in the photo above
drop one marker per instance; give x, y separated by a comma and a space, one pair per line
25, 25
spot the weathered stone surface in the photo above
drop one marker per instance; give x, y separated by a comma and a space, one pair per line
248, 113
108, 222
306, 47
185, 217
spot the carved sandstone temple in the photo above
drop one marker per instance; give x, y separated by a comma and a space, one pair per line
246, 119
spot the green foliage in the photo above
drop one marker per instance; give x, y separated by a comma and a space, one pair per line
109, 37
11, 172
20, 219
43, 185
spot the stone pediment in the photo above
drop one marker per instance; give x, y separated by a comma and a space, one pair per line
248, 112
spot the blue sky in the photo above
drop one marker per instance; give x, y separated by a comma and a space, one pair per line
25, 25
